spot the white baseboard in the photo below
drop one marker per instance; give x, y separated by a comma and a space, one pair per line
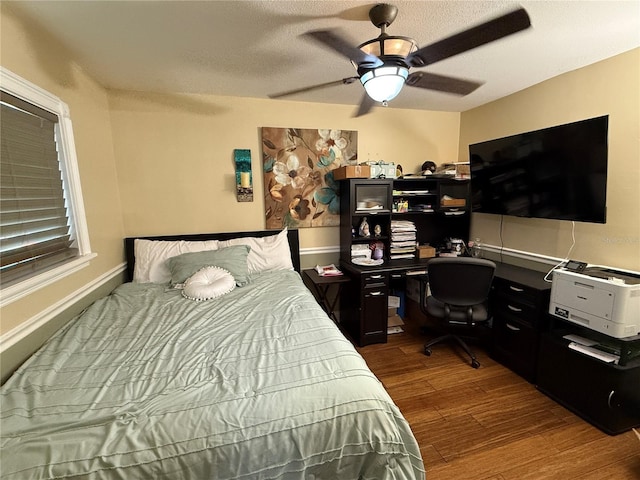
533, 257
319, 250
18, 333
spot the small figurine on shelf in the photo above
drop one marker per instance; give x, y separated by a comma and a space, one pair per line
364, 228
377, 230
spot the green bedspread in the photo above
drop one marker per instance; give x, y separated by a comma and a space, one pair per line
257, 384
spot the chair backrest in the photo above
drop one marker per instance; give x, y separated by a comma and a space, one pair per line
460, 281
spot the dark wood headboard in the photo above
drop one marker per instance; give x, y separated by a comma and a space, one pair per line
294, 243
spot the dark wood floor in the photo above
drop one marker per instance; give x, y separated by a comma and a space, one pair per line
490, 424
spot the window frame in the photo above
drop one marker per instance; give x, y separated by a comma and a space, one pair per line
67, 158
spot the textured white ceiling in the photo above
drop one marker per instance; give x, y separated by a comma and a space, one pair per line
254, 48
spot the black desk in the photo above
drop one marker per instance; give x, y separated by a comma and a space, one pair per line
322, 286
520, 299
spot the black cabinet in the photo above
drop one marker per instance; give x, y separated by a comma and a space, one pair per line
374, 293
519, 302
605, 394
363, 306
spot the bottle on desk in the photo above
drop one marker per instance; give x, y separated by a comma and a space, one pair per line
476, 248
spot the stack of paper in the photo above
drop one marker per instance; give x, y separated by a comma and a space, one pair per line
592, 348
403, 239
360, 251
328, 270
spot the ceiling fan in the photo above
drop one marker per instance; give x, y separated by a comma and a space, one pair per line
383, 63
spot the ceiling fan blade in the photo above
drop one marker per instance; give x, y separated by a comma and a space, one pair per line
344, 81
366, 104
442, 83
344, 47
484, 33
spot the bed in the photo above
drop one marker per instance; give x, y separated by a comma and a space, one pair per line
254, 383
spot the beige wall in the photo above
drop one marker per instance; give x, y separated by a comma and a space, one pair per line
29, 52
174, 155
610, 87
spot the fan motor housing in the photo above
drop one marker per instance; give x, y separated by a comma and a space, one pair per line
383, 14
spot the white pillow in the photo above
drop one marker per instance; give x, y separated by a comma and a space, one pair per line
151, 257
208, 283
267, 253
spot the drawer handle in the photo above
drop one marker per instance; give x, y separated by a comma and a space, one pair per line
514, 309
512, 327
610, 398
376, 276
376, 294
516, 289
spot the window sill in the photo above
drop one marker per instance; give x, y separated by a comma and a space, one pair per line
30, 285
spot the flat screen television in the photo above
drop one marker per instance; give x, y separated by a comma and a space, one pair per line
558, 172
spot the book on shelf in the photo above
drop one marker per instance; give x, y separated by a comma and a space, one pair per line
402, 226
411, 249
399, 256
411, 192
328, 270
408, 243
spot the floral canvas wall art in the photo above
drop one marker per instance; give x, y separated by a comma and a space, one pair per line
298, 165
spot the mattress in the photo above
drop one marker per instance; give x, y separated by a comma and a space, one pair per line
256, 384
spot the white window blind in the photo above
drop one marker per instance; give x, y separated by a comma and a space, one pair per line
43, 227
34, 224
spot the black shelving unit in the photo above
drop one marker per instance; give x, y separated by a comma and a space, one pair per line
363, 301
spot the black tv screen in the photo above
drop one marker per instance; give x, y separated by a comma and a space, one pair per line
558, 172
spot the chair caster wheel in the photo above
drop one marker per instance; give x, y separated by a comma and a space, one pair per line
427, 351
475, 364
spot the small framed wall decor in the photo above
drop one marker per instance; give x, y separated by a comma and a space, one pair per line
244, 180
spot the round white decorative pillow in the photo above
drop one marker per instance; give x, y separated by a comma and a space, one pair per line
208, 283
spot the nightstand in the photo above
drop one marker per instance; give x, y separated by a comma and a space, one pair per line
321, 288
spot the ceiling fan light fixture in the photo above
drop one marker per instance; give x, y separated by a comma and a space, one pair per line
386, 45
384, 83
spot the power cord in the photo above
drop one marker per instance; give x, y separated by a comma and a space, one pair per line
501, 239
573, 243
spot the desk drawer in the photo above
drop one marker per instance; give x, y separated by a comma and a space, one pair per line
510, 307
372, 280
516, 291
515, 345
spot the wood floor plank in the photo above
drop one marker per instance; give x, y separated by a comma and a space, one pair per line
407, 390
627, 469
490, 423
485, 463
605, 453
573, 434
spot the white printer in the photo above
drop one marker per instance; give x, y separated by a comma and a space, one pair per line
599, 298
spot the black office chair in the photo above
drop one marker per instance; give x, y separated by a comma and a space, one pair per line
459, 297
